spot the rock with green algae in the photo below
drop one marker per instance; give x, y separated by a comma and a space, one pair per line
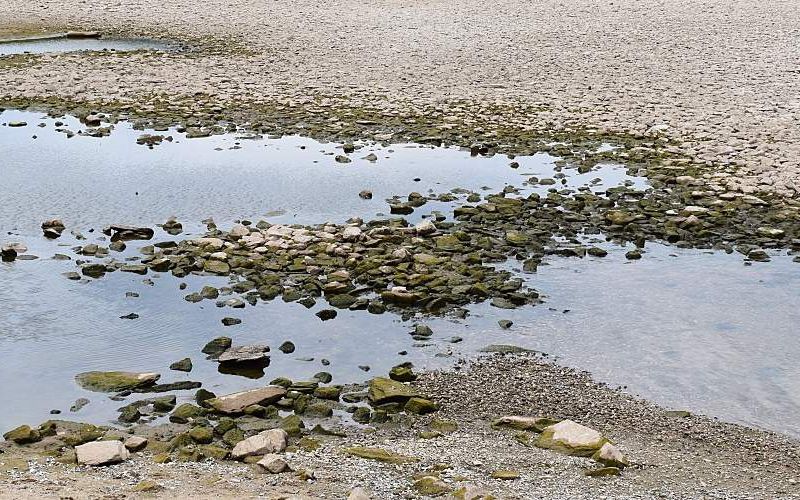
201, 434
115, 381
505, 474
146, 486
23, 434
420, 406
215, 452
431, 486
186, 412
293, 425
385, 390
603, 471
442, 425
379, 454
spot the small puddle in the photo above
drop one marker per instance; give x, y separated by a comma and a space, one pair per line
682, 327
64, 44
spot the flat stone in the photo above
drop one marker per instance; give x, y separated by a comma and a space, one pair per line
135, 443
238, 401
537, 424
115, 381
101, 453
385, 390
242, 354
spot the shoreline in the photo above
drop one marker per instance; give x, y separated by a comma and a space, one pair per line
671, 453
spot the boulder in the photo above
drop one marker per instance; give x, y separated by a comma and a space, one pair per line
101, 453
571, 438
115, 381
270, 441
217, 346
274, 464
385, 390
238, 401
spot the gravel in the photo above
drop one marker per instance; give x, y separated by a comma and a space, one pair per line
719, 77
671, 456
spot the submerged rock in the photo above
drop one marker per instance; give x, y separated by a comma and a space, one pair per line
115, 381
184, 365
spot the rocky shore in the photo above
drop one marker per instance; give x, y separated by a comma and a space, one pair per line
475, 446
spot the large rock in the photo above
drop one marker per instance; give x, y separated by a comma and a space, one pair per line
101, 453
115, 381
270, 441
571, 438
238, 401
385, 390
245, 354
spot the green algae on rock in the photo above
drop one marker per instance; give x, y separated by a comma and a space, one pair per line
380, 455
115, 381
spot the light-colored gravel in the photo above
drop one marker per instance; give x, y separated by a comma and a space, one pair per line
722, 77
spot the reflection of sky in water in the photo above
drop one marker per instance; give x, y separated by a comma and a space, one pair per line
72, 45
689, 329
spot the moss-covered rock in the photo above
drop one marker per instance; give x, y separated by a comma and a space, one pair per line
420, 406
385, 390
115, 381
380, 455
23, 434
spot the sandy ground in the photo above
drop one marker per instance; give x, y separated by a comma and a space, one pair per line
723, 78
671, 456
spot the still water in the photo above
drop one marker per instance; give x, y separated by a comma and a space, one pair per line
689, 329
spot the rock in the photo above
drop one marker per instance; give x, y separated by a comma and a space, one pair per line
603, 471
365, 195
230, 321
17, 123
274, 464
23, 435
201, 434
505, 324
147, 487
217, 346
135, 443
83, 34
431, 486
53, 228
342, 159
472, 492
287, 347
244, 354
94, 270
101, 453
633, 255
425, 228
238, 401
610, 456
379, 454
505, 349
79, 403
571, 438
186, 413
184, 365
8, 253
351, 233
124, 232
326, 314
536, 424
505, 474
384, 390
216, 267
270, 441
420, 406
115, 381
330, 393
402, 373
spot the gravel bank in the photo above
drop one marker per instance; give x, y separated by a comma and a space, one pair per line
671, 456
720, 78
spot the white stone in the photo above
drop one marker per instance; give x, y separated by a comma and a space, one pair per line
239, 230
425, 227
101, 453
351, 233
571, 438
271, 441
135, 443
